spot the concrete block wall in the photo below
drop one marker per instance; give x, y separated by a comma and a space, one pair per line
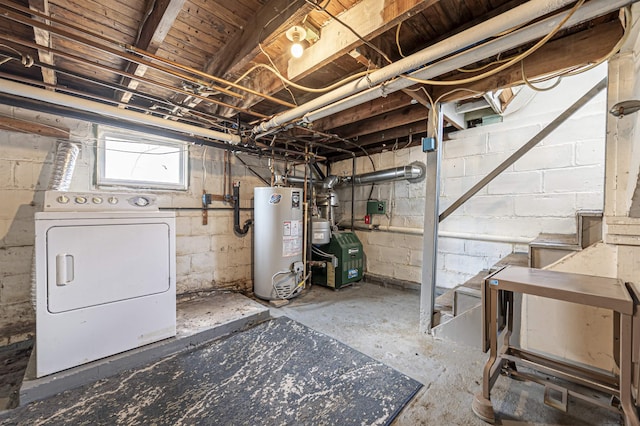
208, 256
541, 192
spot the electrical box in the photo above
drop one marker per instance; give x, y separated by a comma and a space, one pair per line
347, 265
376, 207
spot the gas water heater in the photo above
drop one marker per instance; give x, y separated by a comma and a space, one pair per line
278, 231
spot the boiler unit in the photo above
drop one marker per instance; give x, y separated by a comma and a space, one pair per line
278, 238
344, 261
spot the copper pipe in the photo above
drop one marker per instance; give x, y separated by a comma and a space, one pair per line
132, 58
116, 71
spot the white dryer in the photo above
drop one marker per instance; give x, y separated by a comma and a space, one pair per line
105, 277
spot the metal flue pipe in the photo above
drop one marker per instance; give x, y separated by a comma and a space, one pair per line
515, 17
25, 91
413, 172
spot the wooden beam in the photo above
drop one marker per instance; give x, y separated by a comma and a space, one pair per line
151, 34
574, 50
267, 23
43, 38
400, 117
16, 125
369, 109
368, 18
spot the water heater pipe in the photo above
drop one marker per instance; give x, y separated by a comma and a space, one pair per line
236, 213
512, 18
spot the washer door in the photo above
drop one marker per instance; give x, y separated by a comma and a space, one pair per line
100, 264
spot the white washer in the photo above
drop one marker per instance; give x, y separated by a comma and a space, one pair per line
105, 277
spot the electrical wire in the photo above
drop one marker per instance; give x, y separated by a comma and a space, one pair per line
278, 74
398, 40
505, 65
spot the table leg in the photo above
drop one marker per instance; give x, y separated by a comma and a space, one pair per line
482, 406
626, 398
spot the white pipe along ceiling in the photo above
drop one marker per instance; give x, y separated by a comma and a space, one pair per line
363, 91
26, 91
516, 38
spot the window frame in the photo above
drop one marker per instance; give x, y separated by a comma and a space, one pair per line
133, 137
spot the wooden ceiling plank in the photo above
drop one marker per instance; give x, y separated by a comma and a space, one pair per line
151, 35
576, 49
368, 18
43, 38
399, 117
16, 125
369, 109
244, 48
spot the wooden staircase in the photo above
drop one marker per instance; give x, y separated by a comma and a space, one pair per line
458, 311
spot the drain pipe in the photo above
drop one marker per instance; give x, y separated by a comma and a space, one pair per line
515, 17
491, 48
25, 91
236, 213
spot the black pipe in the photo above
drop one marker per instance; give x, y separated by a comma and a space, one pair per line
236, 212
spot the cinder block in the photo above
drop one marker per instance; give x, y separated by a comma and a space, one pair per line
452, 167
465, 146
24, 175
589, 201
183, 265
216, 225
12, 199
16, 260
183, 225
450, 245
516, 183
575, 179
512, 139
450, 279
590, 152
415, 258
383, 239
482, 165
15, 288
562, 205
194, 282
408, 273
489, 205
396, 255
576, 129
487, 249
414, 222
463, 263
202, 262
20, 232
454, 187
380, 268
224, 276
413, 242
6, 174
192, 244
546, 157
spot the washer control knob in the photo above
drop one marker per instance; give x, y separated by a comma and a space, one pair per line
140, 201
81, 200
112, 200
96, 200
63, 199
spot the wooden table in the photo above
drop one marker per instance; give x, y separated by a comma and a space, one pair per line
497, 317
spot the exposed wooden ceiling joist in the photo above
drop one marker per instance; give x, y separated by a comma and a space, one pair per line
43, 38
160, 17
17, 125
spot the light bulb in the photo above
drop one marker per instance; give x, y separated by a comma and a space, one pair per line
296, 50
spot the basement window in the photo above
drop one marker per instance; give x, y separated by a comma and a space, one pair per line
137, 160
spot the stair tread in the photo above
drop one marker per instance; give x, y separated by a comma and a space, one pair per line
514, 259
556, 239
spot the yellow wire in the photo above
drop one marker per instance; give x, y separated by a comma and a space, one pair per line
398, 40
506, 65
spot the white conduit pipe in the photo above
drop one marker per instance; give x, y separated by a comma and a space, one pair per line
492, 48
26, 91
506, 21
444, 234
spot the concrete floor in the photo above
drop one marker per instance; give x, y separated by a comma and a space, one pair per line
383, 323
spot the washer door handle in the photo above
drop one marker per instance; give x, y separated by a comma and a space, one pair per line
64, 269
